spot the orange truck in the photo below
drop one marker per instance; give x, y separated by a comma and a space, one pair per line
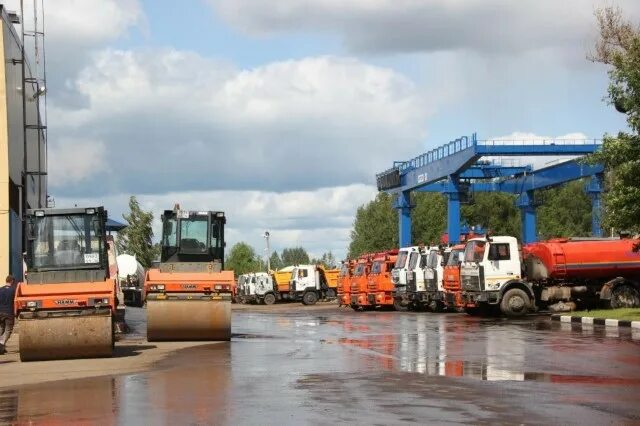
66, 306
380, 287
344, 283
359, 283
189, 293
452, 288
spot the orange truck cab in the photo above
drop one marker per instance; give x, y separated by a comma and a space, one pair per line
359, 283
66, 306
452, 288
380, 286
344, 283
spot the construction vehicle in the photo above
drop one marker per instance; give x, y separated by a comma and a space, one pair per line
344, 283
401, 275
281, 279
238, 289
379, 284
310, 283
243, 289
360, 283
259, 289
559, 275
131, 277
407, 276
66, 306
189, 294
452, 288
434, 278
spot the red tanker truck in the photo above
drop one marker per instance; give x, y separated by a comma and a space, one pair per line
559, 275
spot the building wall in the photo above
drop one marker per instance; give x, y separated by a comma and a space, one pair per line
12, 165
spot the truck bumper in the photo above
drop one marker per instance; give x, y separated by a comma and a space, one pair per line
477, 297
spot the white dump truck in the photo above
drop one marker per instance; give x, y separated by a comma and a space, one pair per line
406, 276
131, 276
310, 283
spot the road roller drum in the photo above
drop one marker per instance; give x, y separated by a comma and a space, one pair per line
66, 336
175, 319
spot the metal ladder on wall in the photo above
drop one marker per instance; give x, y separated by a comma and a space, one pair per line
34, 89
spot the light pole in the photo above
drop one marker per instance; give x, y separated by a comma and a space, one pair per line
266, 237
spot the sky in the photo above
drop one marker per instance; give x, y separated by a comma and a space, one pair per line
281, 113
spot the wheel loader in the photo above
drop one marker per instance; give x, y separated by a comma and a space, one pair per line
66, 306
189, 294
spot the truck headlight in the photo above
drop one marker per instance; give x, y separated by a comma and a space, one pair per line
218, 287
32, 304
493, 286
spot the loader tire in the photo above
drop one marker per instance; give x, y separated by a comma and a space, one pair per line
515, 303
309, 298
269, 299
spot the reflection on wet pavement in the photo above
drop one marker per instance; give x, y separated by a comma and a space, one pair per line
322, 368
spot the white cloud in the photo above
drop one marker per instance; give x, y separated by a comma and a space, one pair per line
319, 220
75, 160
314, 122
427, 25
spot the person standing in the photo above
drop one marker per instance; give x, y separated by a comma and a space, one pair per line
7, 297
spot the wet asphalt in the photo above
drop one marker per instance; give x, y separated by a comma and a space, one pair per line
338, 366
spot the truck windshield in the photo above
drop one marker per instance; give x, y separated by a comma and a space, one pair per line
67, 241
376, 268
344, 270
432, 262
193, 234
359, 270
401, 261
474, 251
413, 260
454, 257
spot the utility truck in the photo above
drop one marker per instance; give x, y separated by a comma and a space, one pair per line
344, 283
359, 283
406, 262
559, 275
310, 283
433, 296
452, 288
379, 284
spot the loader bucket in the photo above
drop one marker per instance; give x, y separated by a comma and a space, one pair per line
66, 336
174, 320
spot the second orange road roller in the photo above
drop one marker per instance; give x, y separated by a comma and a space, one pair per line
189, 294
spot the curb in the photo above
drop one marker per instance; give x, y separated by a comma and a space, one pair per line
596, 321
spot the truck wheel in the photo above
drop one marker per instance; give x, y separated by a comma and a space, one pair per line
515, 303
310, 298
625, 296
399, 306
269, 299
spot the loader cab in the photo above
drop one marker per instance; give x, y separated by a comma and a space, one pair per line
193, 236
66, 245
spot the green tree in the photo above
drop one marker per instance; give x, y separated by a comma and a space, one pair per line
619, 47
496, 212
429, 217
565, 211
375, 227
136, 238
275, 261
327, 260
295, 256
242, 259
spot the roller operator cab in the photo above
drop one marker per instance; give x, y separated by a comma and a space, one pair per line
66, 305
189, 294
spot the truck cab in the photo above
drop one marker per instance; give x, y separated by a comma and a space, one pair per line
359, 283
344, 283
400, 275
489, 266
380, 287
434, 277
451, 282
310, 283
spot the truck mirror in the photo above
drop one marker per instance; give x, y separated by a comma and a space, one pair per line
441, 263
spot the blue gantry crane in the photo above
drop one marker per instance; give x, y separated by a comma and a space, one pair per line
457, 168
